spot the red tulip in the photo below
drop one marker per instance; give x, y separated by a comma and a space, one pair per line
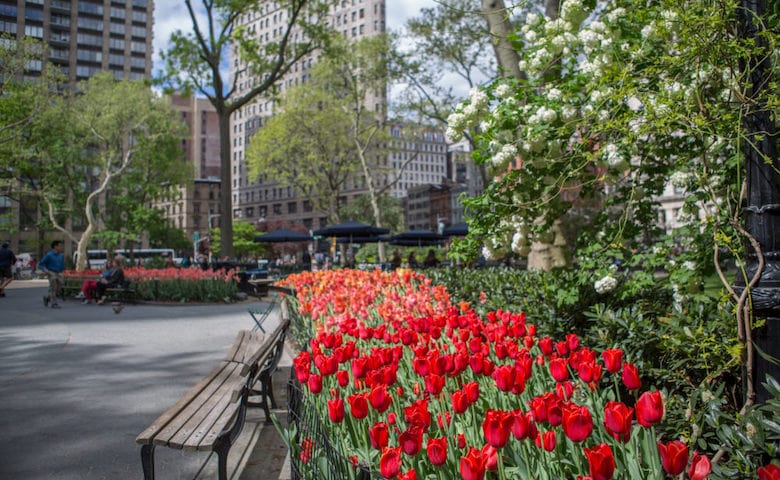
617, 420
408, 475
559, 369
358, 405
546, 345
417, 414
379, 398
302, 365
315, 383
589, 371
613, 359
572, 341
521, 424
437, 450
434, 384
472, 466
562, 348
650, 408
472, 391
342, 376
547, 440
631, 376
674, 457
390, 462
504, 377
554, 408
700, 467
411, 440
461, 440
538, 409
577, 422
378, 433
769, 472
601, 462
490, 454
564, 390
460, 401
497, 426
336, 410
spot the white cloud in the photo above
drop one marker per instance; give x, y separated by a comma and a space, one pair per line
169, 15
399, 11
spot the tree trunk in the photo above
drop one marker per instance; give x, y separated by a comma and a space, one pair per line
225, 219
544, 255
500, 28
549, 253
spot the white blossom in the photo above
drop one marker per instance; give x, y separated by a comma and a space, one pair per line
605, 284
613, 156
680, 179
478, 98
554, 94
635, 104
503, 90
568, 112
689, 265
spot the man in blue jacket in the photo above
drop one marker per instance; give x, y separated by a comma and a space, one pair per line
53, 264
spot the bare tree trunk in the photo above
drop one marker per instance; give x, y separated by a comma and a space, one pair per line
225, 218
500, 28
544, 255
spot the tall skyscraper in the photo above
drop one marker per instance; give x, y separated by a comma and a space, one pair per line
261, 201
86, 36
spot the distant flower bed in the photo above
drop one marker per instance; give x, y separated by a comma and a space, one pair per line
177, 284
184, 284
413, 387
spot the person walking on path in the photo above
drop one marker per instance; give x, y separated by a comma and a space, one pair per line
52, 265
7, 261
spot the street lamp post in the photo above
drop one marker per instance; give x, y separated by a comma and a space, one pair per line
763, 202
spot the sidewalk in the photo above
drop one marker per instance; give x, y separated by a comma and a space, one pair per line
79, 383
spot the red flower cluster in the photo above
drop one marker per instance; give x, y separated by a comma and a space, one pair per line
401, 355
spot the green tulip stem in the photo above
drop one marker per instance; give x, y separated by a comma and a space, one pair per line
500, 463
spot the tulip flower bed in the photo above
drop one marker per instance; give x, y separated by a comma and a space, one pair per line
184, 284
414, 387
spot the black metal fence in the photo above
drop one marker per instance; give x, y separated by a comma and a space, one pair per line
314, 455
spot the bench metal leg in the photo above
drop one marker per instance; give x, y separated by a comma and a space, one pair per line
222, 449
147, 461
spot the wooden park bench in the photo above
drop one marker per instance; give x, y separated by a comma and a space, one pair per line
210, 416
71, 286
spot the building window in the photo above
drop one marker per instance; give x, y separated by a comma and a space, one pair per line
292, 207
277, 208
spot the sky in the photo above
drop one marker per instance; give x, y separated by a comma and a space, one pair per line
170, 15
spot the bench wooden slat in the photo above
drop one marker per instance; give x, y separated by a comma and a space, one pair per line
226, 384
245, 345
253, 356
196, 394
220, 419
214, 415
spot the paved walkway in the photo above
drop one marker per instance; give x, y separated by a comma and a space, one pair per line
79, 383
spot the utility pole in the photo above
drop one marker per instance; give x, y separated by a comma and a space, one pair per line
762, 213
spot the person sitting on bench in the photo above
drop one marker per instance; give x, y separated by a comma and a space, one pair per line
115, 278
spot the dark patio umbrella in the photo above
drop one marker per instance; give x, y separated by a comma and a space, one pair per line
458, 230
371, 239
283, 235
418, 238
351, 229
